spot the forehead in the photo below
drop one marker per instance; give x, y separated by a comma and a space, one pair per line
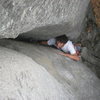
58, 42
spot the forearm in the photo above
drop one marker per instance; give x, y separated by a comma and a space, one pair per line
74, 57
44, 42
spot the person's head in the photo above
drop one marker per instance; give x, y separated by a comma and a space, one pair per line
59, 44
61, 40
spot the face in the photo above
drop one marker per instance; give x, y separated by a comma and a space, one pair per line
59, 44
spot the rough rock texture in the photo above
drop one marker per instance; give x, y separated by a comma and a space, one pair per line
43, 18
91, 54
90, 38
96, 9
23, 79
46, 76
33, 72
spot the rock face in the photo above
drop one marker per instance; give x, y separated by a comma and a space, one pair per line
96, 9
90, 38
42, 18
34, 72
23, 79
91, 54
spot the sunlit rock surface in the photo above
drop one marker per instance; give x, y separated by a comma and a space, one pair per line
34, 72
23, 79
48, 18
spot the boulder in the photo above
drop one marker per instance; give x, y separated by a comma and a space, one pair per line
34, 72
41, 19
90, 39
22, 78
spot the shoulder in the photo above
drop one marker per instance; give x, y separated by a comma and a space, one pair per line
71, 47
51, 41
68, 43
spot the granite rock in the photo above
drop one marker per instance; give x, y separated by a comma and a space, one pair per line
41, 18
30, 71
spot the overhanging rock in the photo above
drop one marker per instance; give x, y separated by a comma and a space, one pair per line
44, 18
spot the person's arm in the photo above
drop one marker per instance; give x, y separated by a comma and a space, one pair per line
44, 42
49, 42
74, 56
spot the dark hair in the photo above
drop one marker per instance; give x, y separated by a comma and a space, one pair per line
62, 38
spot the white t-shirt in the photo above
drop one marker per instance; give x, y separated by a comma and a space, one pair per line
69, 48
51, 42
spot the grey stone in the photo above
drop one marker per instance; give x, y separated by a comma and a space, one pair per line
91, 40
38, 73
21, 78
41, 18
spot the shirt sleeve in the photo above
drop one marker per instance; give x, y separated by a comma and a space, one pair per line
71, 48
51, 41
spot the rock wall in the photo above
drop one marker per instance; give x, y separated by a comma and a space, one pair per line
34, 72
42, 18
96, 10
23, 79
90, 38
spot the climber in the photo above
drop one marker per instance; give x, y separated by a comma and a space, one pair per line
52, 41
69, 49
